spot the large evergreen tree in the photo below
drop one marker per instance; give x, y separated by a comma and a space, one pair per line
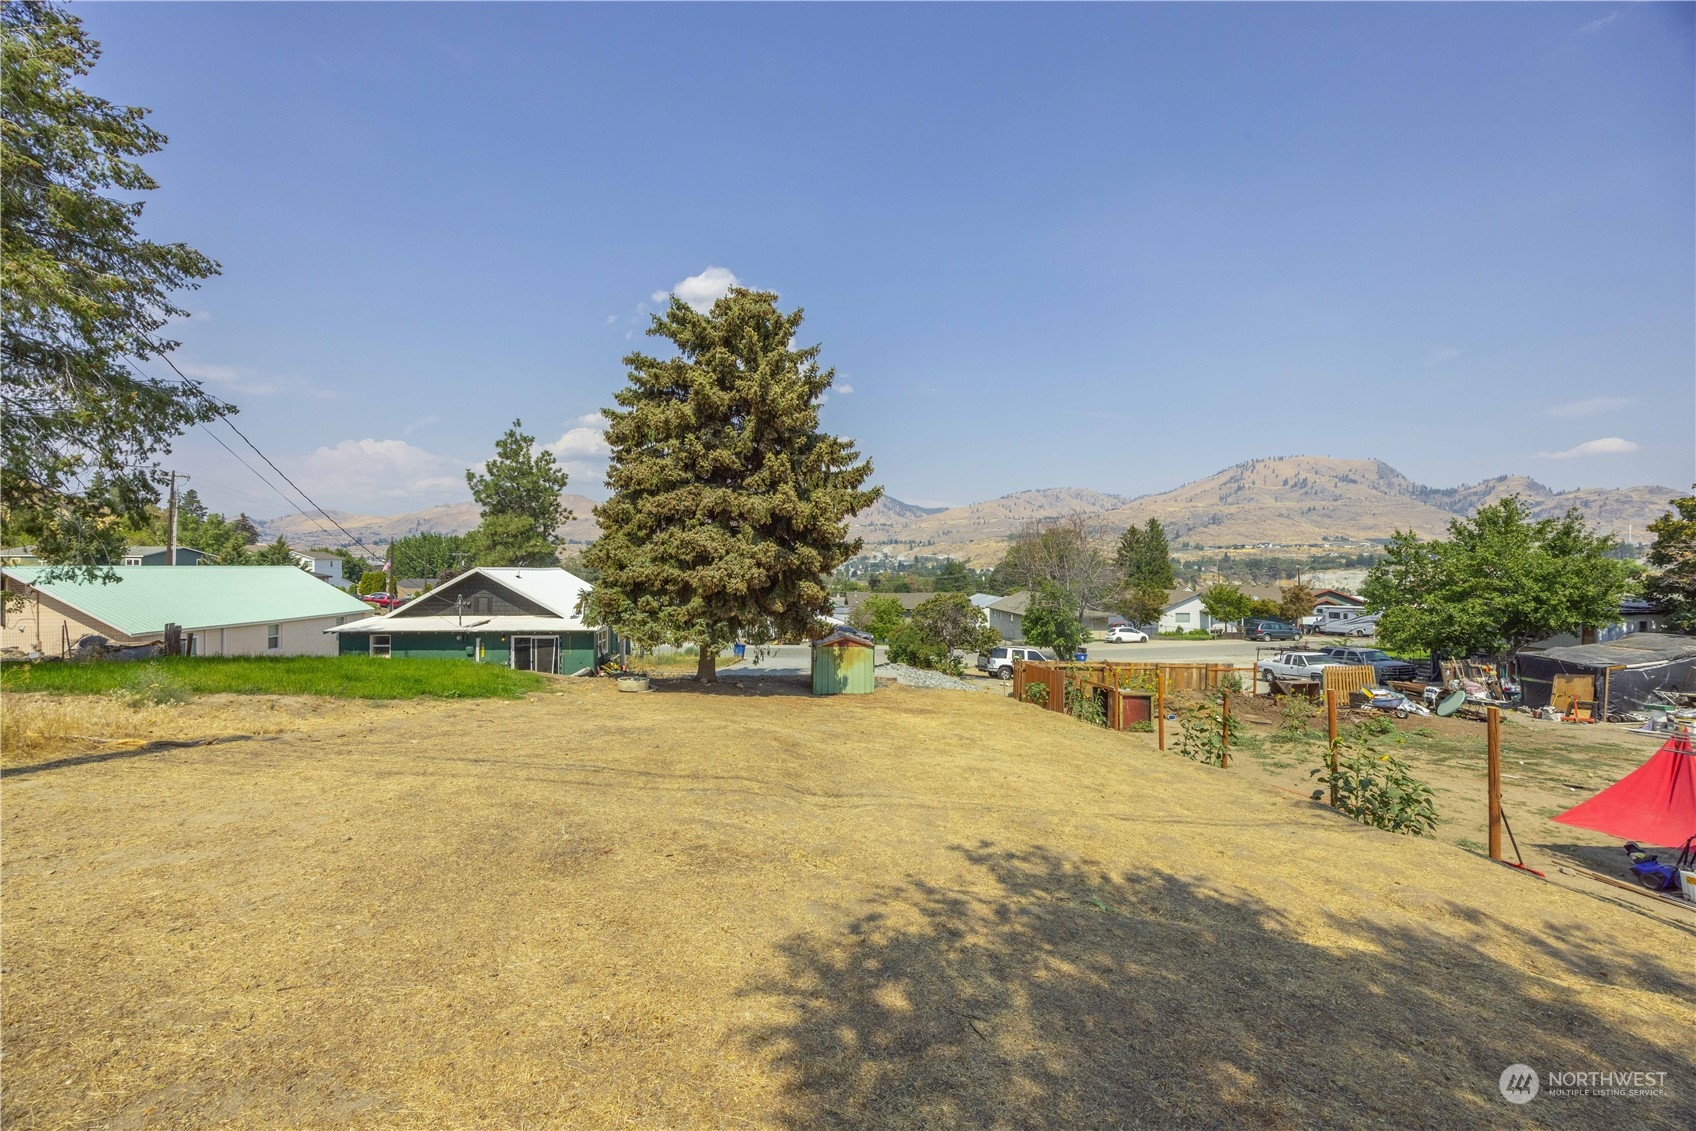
1673, 555
1144, 561
83, 294
730, 507
519, 492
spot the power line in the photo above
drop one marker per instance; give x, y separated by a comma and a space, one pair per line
221, 416
264, 480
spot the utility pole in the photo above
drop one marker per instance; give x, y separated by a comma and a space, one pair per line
171, 523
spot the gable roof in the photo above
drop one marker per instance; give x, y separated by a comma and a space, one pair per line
147, 598
1017, 603
554, 589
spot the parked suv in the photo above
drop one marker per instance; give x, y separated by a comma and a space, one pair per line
998, 662
1381, 662
1268, 629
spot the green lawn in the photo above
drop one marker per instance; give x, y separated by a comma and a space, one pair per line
346, 677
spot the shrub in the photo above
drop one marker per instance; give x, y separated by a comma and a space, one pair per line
152, 685
910, 645
1372, 726
1037, 693
1201, 736
1378, 790
941, 627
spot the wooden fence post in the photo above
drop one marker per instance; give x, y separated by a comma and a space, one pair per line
1493, 774
1225, 726
1331, 738
1160, 703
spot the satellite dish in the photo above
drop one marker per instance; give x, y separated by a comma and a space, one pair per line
1450, 704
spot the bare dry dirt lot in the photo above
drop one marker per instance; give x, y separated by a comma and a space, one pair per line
912, 909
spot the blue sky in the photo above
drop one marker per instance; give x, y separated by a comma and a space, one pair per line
1109, 246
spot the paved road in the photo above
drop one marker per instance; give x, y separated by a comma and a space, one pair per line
791, 659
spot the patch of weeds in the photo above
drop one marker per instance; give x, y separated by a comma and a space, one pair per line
152, 685
1294, 712
1036, 693
1378, 790
1083, 703
1470, 845
1143, 727
1200, 736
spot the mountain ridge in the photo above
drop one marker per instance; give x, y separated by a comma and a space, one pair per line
1284, 500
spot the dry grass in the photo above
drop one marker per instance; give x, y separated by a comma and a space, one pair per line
904, 910
34, 727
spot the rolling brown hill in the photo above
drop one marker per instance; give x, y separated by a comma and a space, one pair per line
1286, 500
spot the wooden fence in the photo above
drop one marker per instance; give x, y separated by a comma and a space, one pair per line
1344, 678
1128, 693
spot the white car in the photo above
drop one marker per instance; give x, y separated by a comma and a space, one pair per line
1126, 634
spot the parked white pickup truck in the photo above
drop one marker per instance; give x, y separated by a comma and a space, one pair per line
1295, 666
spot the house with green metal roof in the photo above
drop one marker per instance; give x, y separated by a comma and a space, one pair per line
222, 610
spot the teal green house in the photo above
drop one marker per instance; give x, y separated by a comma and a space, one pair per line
518, 617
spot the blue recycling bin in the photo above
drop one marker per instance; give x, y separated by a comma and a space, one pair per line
740, 649
1081, 654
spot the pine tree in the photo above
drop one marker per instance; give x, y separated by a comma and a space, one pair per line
1144, 560
1673, 555
519, 491
730, 507
83, 294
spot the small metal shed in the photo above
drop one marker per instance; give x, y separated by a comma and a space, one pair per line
842, 665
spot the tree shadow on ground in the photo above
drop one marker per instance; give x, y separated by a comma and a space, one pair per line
1060, 996
736, 682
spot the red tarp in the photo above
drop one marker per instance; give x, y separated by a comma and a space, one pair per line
1656, 802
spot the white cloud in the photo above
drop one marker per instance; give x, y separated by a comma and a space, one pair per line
843, 389
1589, 407
701, 291
583, 449
612, 320
1440, 354
382, 472
1607, 446
237, 380
1595, 26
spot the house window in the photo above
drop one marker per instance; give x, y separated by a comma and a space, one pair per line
132, 561
380, 646
1181, 617
482, 605
273, 637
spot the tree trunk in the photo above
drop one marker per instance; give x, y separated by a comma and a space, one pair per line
705, 669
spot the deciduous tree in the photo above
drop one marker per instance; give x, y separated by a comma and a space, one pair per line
730, 505
1297, 602
941, 628
1051, 621
1227, 603
1497, 583
83, 295
880, 616
1065, 555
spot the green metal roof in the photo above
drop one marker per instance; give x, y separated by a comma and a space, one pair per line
147, 598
